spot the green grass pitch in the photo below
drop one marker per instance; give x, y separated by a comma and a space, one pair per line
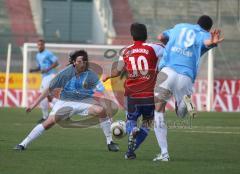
212, 145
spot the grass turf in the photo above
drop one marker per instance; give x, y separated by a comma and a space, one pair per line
210, 146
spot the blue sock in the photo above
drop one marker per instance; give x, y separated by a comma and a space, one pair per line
142, 134
130, 125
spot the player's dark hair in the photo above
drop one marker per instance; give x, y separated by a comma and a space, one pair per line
205, 22
138, 32
73, 56
41, 40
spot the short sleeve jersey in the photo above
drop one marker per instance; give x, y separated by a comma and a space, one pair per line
76, 88
44, 60
184, 49
140, 62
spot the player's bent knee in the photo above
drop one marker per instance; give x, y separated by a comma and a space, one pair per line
97, 111
63, 113
162, 94
49, 122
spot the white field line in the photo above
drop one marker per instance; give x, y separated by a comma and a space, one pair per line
208, 132
183, 130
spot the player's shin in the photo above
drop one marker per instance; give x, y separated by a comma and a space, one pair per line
35, 133
160, 129
141, 136
105, 124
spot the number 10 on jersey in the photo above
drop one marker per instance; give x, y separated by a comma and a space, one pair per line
139, 64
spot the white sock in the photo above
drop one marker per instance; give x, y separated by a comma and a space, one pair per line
160, 130
105, 124
36, 132
44, 107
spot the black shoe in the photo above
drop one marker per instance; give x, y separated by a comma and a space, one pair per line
41, 120
19, 147
130, 155
113, 147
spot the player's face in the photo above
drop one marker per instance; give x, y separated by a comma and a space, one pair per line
41, 46
79, 64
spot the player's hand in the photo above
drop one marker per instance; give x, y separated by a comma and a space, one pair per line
29, 109
216, 36
104, 78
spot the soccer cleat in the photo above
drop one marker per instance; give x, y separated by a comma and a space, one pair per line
190, 107
130, 155
162, 157
19, 147
113, 147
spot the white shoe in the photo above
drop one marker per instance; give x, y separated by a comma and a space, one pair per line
162, 157
190, 107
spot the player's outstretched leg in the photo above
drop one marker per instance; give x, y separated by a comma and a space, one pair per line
35, 133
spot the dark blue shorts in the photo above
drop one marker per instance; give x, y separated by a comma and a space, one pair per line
140, 106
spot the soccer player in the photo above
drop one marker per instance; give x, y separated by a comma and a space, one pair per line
139, 60
46, 64
186, 43
78, 84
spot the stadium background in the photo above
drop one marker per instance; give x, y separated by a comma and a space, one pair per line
103, 22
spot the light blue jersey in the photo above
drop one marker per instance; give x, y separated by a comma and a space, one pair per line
184, 49
76, 88
44, 60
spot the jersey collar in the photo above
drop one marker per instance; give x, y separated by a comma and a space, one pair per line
138, 42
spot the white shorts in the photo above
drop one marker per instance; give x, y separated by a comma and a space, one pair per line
46, 82
178, 84
68, 108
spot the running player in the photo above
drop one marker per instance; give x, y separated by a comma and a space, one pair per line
186, 43
46, 64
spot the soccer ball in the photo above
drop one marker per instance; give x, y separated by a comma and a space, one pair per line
118, 129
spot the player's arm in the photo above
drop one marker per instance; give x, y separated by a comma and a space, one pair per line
164, 37
34, 70
116, 70
54, 65
214, 39
43, 95
56, 83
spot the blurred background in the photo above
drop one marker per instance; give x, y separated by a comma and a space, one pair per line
107, 22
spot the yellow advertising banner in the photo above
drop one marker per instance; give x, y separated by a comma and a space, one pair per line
15, 81
34, 82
